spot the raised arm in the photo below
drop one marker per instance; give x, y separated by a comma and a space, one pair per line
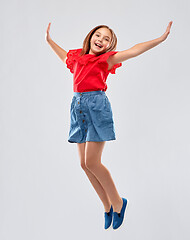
57, 49
137, 49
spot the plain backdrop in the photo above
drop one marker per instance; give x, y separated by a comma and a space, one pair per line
44, 193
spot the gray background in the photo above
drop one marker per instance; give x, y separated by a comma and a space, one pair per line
44, 192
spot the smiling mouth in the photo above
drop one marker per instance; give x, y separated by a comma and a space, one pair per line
98, 45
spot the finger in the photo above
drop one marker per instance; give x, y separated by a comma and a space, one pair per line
170, 24
48, 27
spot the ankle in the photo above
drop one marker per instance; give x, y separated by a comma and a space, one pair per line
118, 206
107, 208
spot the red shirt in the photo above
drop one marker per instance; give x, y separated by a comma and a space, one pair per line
89, 71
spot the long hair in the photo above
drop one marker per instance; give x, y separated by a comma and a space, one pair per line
86, 42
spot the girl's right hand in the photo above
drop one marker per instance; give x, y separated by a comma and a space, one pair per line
47, 33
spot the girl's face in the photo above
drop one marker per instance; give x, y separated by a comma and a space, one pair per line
100, 41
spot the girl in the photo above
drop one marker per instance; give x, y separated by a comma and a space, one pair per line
91, 118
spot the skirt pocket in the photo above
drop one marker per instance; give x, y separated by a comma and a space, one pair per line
73, 116
101, 112
107, 105
72, 103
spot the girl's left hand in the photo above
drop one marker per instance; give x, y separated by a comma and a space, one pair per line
165, 35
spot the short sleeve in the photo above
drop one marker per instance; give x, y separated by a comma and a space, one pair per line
105, 65
72, 56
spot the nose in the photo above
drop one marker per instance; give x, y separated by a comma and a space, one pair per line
100, 41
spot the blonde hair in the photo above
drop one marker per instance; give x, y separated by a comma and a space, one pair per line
86, 42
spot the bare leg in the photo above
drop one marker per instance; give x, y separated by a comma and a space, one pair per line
94, 181
93, 152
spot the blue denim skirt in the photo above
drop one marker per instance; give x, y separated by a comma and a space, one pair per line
91, 118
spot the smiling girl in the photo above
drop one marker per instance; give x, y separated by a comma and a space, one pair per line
91, 117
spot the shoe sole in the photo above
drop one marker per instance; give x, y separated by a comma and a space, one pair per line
108, 229
126, 209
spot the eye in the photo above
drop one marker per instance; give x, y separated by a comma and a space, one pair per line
99, 35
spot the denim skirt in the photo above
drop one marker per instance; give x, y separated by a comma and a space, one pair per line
91, 118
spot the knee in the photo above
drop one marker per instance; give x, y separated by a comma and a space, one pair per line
91, 163
83, 165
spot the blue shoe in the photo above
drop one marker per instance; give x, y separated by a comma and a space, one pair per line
118, 217
108, 218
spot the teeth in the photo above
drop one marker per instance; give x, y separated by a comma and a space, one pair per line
98, 44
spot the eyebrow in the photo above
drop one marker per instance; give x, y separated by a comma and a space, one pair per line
100, 33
